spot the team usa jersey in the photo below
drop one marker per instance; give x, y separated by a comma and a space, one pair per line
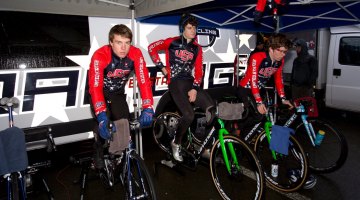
181, 58
259, 71
109, 74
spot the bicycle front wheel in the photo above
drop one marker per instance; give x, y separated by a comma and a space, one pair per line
292, 168
243, 178
331, 154
137, 181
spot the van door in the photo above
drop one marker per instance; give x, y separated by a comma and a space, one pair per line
343, 84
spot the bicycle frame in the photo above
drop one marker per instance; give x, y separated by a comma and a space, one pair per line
135, 125
267, 125
300, 110
221, 132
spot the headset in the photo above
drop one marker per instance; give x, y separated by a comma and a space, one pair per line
183, 20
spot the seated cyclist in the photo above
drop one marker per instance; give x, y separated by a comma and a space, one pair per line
110, 69
261, 67
183, 55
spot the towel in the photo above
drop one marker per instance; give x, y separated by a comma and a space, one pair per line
280, 139
13, 155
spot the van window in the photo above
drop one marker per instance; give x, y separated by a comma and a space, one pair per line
349, 51
38, 40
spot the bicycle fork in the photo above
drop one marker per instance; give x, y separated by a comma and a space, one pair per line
131, 180
20, 185
222, 131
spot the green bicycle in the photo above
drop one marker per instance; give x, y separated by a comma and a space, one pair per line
235, 169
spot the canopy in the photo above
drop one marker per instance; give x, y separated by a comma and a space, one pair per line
295, 16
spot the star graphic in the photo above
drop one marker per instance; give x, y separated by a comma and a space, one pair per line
230, 53
84, 60
244, 40
43, 109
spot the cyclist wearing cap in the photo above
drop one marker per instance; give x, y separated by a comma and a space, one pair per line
183, 55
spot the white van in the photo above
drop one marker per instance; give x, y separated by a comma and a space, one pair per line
343, 69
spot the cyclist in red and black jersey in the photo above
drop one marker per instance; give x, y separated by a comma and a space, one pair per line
183, 56
261, 67
110, 69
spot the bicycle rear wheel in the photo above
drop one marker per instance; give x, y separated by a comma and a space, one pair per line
332, 152
245, 180
292, 168
164, 130
137, 181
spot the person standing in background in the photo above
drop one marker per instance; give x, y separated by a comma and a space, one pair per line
304, 72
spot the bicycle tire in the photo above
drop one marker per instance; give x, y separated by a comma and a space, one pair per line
138, 179
295, 160
164, 131
15, 192
246, 183
164, 128
332, 152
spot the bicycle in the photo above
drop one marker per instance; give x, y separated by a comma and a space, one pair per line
13, 142
133, 175
233, 164
327, 156
292, 169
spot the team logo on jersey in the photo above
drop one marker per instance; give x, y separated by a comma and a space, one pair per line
184, 55
118, 73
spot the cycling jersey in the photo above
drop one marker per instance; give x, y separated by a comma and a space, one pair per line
108, 74
181, 58
259, 71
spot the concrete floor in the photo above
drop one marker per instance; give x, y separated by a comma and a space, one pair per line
197, 184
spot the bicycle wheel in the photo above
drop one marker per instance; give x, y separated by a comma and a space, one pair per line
292, 168
245, 180
164, 130
137, 181
332, 152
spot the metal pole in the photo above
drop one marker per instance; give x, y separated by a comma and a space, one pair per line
236, 71
136, 98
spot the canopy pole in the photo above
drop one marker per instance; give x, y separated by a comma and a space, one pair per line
236, 71
136, 96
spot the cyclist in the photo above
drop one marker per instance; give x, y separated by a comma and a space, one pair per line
261, 67
183, 55
110, 69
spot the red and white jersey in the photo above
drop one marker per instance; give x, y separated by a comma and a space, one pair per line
109, 74
181, 58
259, 71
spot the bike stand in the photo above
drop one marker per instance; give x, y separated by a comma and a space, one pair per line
86, 165
35, 183
169, 163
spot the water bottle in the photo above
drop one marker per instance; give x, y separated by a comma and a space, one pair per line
319, 137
